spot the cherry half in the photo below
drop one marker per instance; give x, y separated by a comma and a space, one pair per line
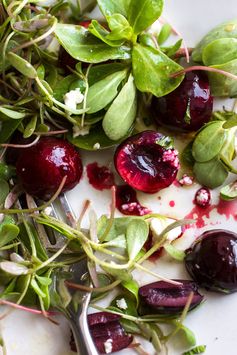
212, 260
188, 107
42, 167
147, 161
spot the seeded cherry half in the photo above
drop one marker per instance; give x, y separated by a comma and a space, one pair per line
42, 167
188, 107
212, 260
147, 162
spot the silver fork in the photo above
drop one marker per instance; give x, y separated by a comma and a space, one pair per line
77, 318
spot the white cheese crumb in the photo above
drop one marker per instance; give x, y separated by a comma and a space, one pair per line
122, 304
186, 180
202, 197
159, 224
96, 146
80, 131
108, 346
48, 210
73, 98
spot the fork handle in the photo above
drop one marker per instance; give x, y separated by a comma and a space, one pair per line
82, 336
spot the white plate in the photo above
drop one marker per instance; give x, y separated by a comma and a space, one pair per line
214, 323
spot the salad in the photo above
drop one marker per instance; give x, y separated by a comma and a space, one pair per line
73, 84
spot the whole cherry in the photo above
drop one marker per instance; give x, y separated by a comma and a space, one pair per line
42, 167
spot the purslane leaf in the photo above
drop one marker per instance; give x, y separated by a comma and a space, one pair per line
152, 71
143, 13
110, 7
122, 113
100, 32
82, 45
136, 234
104, 91
211, 173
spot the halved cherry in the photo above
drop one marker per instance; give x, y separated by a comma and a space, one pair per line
147, 161
42, 167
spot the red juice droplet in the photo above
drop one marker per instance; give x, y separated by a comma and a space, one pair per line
100, 177
127, 202
172, 203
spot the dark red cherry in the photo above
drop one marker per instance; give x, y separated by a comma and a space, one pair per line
42, 167
188, 107
107, 332
212, 260
147, 161
165, 298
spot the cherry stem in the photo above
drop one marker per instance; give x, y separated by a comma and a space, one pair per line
204, 68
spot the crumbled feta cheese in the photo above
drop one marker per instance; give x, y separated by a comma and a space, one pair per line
80, 131
73, 98
171, 155
48, 210
203, 197
159, 224
96, 146
186, 180
122, 304
108, 346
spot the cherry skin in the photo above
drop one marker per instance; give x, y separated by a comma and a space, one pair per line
42, 167
146, 163
212, 260
188, 107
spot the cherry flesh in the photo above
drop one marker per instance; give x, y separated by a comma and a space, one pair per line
42, 167
146, 163
188, 107
127, 202
212, 260
100, 177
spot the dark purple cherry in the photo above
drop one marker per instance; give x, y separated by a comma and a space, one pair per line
107, 332
147, 162
42, 167
165, 298
212, 260
188, 107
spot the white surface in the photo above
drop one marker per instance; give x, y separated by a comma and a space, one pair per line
215, 322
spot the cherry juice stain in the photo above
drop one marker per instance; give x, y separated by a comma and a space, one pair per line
226, 208
127, 202
100, 177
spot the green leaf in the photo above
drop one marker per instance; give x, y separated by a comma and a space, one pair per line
43, 280
120, 28
8, 128
100, 32
122, 275
22, 65
4, 190
118, 242
6, 171
175, 253
101, 71
229, 192
220, 51
104, 91
10, 113
5, 65
143, 13
164, 34
189, 335
122, 113
210, 174
110, 7
83, 46
200, 349
136, 235
96, 135
68, 83
37, 288
227, 153
8, 233
132, 287
220, 84
130, 304
152, 71
30, 127
208, 142
224, 30
187, 157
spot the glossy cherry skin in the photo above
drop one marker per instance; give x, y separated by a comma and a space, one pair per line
188, 107
42, 167
165, 298
145, 164
212, 261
